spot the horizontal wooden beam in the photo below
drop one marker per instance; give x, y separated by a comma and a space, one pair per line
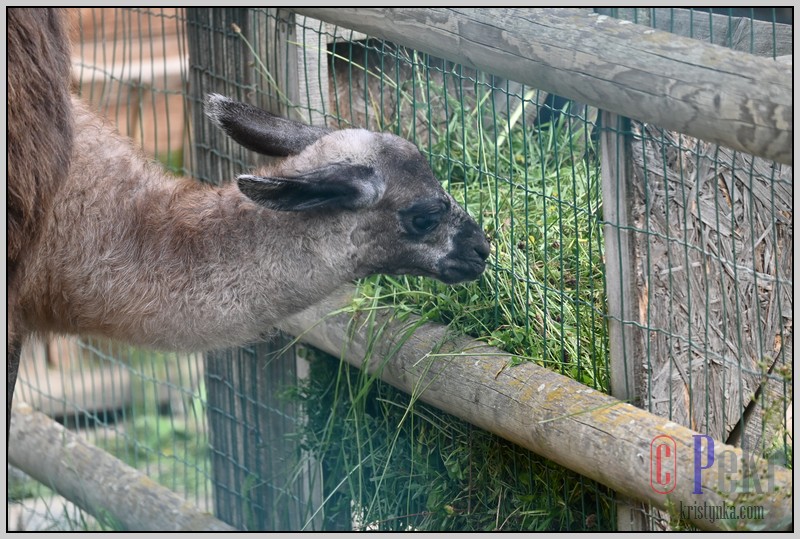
97, 482
706, 91
762, 38
580, 428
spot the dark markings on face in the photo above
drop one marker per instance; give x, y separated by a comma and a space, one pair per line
423, 216
471, 239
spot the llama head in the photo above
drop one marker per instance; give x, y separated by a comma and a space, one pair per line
403, 222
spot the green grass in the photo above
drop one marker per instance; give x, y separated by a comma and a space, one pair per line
542, 297
401, 465
535, 190
392, 463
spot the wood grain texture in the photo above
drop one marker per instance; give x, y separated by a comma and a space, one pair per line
625, 340
713, 240
102, 485
580, 428
762, 38
252, 458
716, 94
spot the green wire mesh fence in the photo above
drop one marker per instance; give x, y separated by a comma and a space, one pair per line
714, 234
280, 437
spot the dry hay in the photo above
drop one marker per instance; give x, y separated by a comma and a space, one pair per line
714, 247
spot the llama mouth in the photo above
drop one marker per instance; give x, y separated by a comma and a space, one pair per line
466, 263
460, 270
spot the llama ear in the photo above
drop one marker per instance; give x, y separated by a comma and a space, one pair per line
259, 130
336, 186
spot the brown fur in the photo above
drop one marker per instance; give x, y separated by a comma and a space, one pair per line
39, 140
39, 121
127, 252
134, 254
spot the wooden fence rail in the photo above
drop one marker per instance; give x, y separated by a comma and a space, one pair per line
94, 480
716, 94
580, 428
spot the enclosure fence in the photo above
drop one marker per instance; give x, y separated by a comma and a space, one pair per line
637, 259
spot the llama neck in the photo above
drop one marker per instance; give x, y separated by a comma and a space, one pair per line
242, 267
171, 263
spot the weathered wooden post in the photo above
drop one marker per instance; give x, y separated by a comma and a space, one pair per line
261, 480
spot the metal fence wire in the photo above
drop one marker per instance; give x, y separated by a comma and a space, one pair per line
281, 436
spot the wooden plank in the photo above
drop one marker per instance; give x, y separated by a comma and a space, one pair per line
255, 462
61, 379
297, 60
625, 340
312, 70
130, 66
615, 65
97, 482
311, 95
67, 379
580, 428
715, 242
744, 34
766, 419
61, 395
220, 62
258, 484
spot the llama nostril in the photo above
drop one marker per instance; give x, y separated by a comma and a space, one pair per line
483, 248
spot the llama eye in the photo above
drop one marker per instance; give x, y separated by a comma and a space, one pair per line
426, 222
423, 216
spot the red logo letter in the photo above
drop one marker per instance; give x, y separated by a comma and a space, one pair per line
663, 464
